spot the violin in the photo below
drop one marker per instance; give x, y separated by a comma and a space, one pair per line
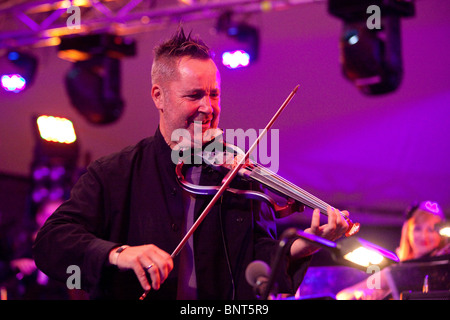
296, 197
251, 171
239, 163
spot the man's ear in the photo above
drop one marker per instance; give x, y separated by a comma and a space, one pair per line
157, 96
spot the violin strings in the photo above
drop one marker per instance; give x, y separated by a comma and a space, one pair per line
299, 193
263, 175
316, 202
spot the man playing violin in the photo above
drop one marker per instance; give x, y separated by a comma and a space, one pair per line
127, 213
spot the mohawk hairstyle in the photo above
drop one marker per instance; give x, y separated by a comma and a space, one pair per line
168, 53
181, 45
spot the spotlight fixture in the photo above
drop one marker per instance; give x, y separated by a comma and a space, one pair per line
352, 251
18, 70
55, 157
94, 82
370, 44
56, 129
363, 253
246, 49
55, 138
235, 59
443, 229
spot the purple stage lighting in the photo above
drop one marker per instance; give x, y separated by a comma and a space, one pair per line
13, 82
235, 59
17, 71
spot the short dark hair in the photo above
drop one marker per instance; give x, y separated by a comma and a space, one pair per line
178, 46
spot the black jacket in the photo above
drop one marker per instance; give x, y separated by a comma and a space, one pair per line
132, 197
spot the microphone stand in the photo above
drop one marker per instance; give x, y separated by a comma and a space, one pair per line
281, 251
287, 235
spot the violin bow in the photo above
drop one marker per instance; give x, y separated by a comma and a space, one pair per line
230, 176
227, 180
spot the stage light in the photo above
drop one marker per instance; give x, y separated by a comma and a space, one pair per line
56, 129
94, 81
444, 229
246, 48
363, 253
18, 71
39, 194
57, 172
352, 251
56, 192
13, 82
56, 140
235, 59
54, 166
445, 232
352, 38
364, 256
370, 54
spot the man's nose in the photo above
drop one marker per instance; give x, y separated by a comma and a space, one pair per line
206, 105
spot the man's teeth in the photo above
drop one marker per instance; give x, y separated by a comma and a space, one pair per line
202, 121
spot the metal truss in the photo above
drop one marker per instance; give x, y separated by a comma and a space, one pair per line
39, 23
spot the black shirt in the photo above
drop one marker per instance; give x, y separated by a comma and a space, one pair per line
132, 197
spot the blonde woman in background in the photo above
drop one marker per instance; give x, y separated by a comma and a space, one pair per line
419, 239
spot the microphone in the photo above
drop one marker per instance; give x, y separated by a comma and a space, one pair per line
257, 275
262, 277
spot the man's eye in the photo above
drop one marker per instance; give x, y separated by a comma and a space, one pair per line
200, 95
196, 96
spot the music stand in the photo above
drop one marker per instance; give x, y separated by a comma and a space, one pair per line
407, 279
